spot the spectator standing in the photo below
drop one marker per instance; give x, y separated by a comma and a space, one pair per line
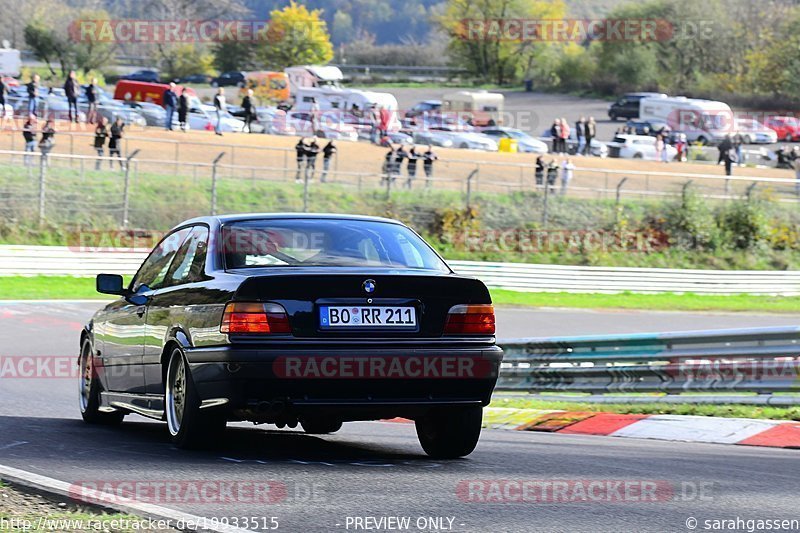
399, 155
115, 143
3, 92
249, 110
33, 94
100, 136
411, 166
580, 132
564, 135
71, 92
590, 133
29, 134
427, 164
552, 176
312, 150
729, 160
386, 119
300, 150
555, 133
375, 121
183, 109
660, 148
738, 141
91, 100
567, 171
327, 154
47, 141
540, 171
221, 107
388, 164
724, 147
170, 103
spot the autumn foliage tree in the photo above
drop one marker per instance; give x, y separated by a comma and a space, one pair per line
295, 36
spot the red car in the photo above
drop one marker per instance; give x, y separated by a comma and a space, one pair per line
787, 128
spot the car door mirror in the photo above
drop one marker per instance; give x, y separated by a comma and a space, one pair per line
110, 284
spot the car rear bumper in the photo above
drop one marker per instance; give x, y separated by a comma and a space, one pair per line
356, 383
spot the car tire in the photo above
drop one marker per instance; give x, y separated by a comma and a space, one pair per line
189, 427
612, 117
89, 392
214, 84
320, 426
747, 139
463, 146
638, 156
788, 138
450, 433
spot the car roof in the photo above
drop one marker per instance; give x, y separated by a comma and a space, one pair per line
226, 219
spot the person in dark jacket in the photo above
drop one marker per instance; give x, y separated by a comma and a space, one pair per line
91, 99
411, 166
724, 147
33, 94
399, 155
183, 109
115, 143
555, 133
249, 109
428, 157
540, 171
552, 176
300, 149
327, 154
312, 150
29, 134
221, 108
3, 92
47, 141
388, 164
71, 92
100, 136
170, 103
590, 132
580, 134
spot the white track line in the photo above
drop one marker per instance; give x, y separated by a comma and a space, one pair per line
144, 510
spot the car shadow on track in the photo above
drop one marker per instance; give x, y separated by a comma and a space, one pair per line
238, 444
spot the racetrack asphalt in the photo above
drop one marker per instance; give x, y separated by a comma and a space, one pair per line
377, 469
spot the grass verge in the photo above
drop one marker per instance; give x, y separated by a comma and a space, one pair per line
68, 287
724, 411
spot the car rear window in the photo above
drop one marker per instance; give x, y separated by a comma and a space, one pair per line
326, 242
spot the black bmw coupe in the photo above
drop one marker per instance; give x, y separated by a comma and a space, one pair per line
293, 319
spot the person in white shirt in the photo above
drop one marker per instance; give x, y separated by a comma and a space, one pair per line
567, 170
221, 107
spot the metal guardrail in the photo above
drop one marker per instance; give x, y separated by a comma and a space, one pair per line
88, 260
725, 363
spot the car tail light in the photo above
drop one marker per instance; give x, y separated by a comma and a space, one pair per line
247, 317
470, 319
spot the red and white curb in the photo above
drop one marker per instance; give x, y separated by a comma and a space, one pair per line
740, 431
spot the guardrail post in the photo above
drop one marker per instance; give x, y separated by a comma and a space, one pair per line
42, 187
126, 192
544, 207
750, 189
214, 183
685, 190
617, 200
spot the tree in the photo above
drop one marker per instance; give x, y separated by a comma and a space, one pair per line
486, 53
295, 36
234, 55
187, 59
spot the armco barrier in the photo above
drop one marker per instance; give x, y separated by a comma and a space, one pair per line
723, 362
60, 260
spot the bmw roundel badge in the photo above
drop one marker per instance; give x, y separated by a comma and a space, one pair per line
369, 286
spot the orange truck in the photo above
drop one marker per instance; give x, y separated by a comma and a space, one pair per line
141, 91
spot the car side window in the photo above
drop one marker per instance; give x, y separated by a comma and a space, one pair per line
189, 262
153, 271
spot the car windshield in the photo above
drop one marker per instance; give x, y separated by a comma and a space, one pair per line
326, 242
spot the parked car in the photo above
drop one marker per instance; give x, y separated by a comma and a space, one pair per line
196, 78
253, 306
48, 107
786, 128
754, 132
229, 122
640, 147
448, 121
525, 143
327, 126
154, 115
110, 109
469, 140
432, 137
150, 76
233, 78
628, 105
650, 127
426, 106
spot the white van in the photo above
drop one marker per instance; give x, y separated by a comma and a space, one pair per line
703, 121
327, 98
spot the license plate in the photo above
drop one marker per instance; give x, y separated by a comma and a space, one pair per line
340, 316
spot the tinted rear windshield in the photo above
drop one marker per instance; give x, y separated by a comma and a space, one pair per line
326, 242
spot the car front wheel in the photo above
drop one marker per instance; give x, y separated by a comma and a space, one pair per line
320, 426
189, 426
450, 433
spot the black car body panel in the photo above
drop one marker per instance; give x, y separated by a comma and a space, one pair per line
131, 338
